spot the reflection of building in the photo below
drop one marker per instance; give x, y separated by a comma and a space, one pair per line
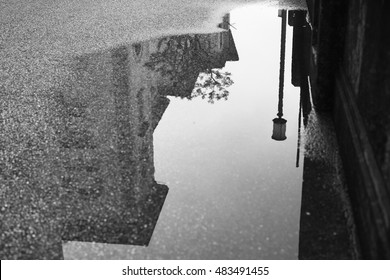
107, 144
92, 178
181, 59
220, 45
107, 150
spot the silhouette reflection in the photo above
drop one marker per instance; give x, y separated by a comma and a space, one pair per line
82, 169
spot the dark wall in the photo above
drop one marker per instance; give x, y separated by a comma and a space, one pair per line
365, 67
327, 19
351, 77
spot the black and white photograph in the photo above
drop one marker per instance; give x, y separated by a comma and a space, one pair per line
194, 130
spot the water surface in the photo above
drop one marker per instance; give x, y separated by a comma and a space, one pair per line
109, 151
233, 191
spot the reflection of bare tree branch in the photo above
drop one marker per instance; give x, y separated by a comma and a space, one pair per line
189, 61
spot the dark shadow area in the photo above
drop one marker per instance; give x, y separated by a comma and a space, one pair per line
350, 74
326, 224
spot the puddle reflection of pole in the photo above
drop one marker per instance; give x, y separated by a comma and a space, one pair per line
279, 128
299, 131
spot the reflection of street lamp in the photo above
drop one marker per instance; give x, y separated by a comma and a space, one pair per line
279, 129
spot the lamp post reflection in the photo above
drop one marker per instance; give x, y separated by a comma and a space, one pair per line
279, 126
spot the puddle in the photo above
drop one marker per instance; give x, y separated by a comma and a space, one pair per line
148, 151
233, 191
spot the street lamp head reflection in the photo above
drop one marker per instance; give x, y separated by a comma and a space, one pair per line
279, 129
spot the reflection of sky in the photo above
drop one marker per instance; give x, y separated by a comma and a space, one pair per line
233, 191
